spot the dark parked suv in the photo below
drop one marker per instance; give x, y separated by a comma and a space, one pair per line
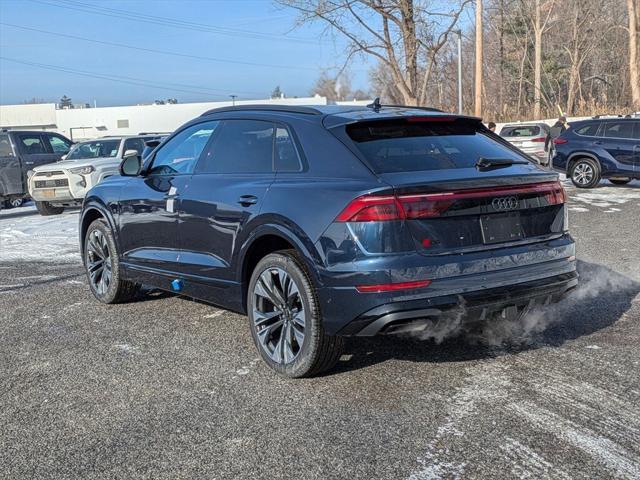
22, 151
327, 222
599, 148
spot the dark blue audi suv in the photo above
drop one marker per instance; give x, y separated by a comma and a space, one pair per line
326, 222
598, 148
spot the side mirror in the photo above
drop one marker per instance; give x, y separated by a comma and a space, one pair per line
63, 157
131, 164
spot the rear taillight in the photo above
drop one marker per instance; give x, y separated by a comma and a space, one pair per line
393, 287
560, 141
379, 208
539, 139
371, 208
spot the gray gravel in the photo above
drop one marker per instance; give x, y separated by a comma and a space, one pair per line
169, 387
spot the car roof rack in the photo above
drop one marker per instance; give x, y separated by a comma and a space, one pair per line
609, 115
267, 108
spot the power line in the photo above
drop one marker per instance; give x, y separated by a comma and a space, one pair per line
126, 80
154, 50
156, 20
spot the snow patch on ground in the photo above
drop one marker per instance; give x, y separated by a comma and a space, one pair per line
27, 236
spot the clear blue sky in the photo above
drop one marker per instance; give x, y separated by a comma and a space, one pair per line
252, 31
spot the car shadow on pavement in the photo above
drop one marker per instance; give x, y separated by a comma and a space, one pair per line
599, 301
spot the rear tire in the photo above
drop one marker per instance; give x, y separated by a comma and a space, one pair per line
619, 181
285, 319
46, 209
102, 264
585, 173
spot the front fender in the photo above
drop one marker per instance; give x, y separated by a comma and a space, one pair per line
91, 208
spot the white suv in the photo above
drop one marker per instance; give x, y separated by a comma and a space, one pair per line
65, 183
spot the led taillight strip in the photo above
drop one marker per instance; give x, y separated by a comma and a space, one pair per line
377, 208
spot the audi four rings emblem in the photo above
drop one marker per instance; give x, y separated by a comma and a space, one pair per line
504, 203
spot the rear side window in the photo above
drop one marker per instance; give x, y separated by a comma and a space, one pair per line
618, 130
411, 146
32, 144
240, 146
589, 130
5, 146
285, 153
520, 131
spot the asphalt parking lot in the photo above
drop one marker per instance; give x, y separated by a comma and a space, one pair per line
169, 387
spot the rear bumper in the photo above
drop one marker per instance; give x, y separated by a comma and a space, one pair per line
455, 280
472, 306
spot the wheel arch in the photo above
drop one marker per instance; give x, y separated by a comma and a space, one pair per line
91, 211
269, 238
575, 156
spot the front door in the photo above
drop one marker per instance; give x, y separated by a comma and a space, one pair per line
226, 192
148, 219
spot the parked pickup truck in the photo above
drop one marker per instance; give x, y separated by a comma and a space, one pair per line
64, 184
22, 151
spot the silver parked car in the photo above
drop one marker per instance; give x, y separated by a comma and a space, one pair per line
528, 137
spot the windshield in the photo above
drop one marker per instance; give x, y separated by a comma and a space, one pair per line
411, 146
94, 149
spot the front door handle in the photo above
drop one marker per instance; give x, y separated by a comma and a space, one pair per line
29, 163
597, 142
246, 200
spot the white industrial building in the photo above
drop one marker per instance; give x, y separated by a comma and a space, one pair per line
84, 123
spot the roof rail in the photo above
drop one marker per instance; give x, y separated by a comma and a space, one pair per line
609, 115
268, 108
376, 106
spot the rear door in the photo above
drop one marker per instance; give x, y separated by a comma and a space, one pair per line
11, 179
619, 143
452, 205
224, 195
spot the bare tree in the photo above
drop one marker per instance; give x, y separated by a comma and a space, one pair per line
403, 35
633, 9
541, 15
479, 63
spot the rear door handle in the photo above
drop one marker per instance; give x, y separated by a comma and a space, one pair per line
597, 143
246, 200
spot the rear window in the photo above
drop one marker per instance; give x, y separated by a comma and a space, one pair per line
520, 131
405, 146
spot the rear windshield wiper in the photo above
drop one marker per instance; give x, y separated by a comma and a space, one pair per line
491, 163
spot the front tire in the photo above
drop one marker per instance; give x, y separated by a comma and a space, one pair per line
285, 319
46, 209
102, 264
585, 173
619, 181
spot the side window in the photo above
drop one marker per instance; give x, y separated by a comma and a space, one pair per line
240, 146
58, 144
133, 144
636, 134
32, 144
589, 130
618, 130
5, 146
179, 154
285, 154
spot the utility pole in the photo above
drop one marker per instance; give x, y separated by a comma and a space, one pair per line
478, 89
233, 99
459, 33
